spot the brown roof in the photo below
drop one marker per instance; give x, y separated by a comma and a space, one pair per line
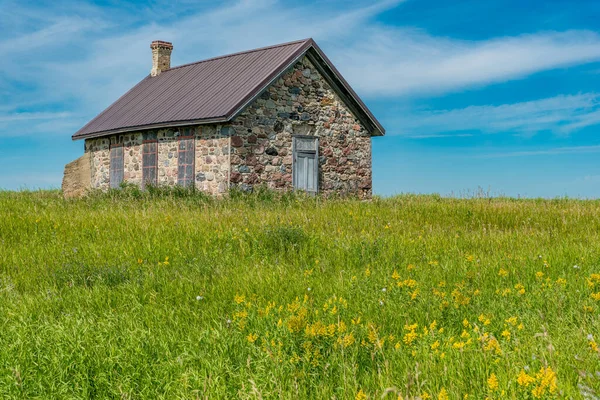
215, 90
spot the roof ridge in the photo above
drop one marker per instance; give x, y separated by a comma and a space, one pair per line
240, 53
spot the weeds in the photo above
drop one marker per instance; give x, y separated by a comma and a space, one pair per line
168, 293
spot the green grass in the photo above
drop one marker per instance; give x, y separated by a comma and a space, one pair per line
299, 297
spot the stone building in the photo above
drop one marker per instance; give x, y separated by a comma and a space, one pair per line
280, 116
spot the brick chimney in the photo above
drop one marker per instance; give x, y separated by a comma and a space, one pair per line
161, 56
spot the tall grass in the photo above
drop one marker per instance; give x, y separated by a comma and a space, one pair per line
171, 294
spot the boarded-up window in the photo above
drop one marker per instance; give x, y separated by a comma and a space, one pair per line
150, 162
116, 165
185, 172
305, 167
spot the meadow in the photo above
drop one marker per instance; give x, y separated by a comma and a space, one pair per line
174, 295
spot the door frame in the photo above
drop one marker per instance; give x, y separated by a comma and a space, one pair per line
311, 152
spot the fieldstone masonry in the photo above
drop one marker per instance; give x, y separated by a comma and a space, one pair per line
167, 156
301, 102
132, 157
212, 160
256, 147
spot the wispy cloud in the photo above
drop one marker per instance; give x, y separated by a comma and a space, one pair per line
543, 152
560, 114
392, 61
29, 116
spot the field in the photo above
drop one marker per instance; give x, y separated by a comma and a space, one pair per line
175, 295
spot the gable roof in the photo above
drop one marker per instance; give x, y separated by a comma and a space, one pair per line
216, 90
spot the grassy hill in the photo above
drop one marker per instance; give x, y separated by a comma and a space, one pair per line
178, 296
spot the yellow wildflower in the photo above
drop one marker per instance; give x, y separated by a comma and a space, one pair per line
539, 275
361, 395
547, 382
458, 345
502, 272
484, 320
348, 340
524, 379
252, 337
443, 395
409, 337
492, 382
239, 299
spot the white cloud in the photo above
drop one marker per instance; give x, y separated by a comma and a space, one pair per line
401, 61
560, 114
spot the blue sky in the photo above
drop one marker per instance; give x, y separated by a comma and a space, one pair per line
500, 96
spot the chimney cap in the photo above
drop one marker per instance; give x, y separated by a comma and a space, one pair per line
161, 43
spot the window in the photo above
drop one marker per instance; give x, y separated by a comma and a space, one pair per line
305, 167
185, 172
149, 162
116, 165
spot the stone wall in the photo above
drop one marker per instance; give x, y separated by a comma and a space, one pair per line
76, 179
132, 157
99, 150
300, 102
212, 160
211, 157
167, 157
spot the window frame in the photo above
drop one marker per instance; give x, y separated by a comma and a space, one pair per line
315, 153
185, 181
111, 169
148, 167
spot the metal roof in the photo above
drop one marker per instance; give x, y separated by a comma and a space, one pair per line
215, 90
